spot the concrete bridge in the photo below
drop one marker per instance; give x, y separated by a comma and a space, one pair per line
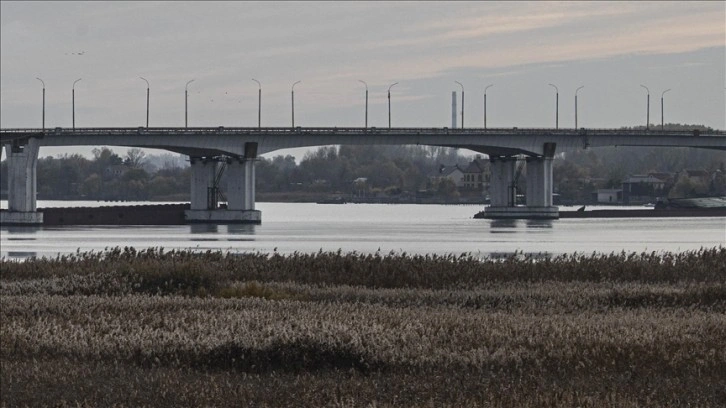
234, 150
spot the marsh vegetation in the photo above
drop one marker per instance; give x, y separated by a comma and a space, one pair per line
182, 328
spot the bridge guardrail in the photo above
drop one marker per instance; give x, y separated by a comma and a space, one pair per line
14, 133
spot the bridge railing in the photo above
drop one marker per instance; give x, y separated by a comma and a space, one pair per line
288, 130
16, 133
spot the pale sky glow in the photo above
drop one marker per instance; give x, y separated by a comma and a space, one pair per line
609, 47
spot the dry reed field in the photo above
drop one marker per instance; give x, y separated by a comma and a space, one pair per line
159, 328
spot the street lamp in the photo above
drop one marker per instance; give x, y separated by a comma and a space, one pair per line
41, 81
292, 95
647, 115
485, 104
73, 101
557, 106
662, 128
366, 85
147, 101
462, 103
259, 103
389, 104
576, 104
186, 102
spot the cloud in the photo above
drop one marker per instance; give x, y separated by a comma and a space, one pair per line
327, 45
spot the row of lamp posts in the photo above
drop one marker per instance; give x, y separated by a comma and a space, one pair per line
557, 107
647, 117
292, 96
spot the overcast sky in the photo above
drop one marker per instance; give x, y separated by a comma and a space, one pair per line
610, 48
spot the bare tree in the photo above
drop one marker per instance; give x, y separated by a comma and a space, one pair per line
135, 158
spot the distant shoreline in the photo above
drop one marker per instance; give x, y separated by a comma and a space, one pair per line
173, 214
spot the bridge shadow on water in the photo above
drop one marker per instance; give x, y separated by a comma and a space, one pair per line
512, 226
215, 232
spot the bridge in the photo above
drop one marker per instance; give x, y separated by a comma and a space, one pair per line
212, 150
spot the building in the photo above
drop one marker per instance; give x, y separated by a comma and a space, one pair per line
115, 171
477, 175
609, 196
642, 189
698, 176
454, 173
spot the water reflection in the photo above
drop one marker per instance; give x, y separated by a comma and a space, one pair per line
200, 229
241, 232
21, 229
510, 226
22, 254
506, 225
241, 229
203, 228
539, 223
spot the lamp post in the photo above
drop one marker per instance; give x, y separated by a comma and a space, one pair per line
557, 106
366, 85
186, 102
147, 101
662, 126
576, 104
292, 96
462, 103
389, 103
259, 103
485, 104
73, 101
647, 114
41, 81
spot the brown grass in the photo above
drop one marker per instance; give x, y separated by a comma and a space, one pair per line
155, 328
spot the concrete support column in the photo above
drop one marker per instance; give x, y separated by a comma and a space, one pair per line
203, 173
502, 175
22, 184
539, 178
240, 191
241, 184
548, 181
535, 182
539, 188
22, 180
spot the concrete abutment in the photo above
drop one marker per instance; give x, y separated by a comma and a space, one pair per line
503, 187
240, 191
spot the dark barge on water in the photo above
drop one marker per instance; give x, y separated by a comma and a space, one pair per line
173, 214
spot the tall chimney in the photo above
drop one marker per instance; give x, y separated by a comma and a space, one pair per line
453, 110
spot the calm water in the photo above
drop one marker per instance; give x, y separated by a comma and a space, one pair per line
367, 228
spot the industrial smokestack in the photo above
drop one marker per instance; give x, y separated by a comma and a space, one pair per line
453, 110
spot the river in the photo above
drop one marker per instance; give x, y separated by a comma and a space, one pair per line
367, 228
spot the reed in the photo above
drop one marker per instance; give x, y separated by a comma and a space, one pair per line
156, 269
182, 328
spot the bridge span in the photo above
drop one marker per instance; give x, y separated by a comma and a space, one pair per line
213, 150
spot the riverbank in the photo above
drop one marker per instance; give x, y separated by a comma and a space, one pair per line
182, 329
173, 214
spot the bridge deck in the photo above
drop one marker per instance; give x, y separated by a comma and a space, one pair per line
202, 141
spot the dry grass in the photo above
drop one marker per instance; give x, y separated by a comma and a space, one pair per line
155, 328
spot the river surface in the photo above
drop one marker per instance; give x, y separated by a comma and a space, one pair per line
367, 228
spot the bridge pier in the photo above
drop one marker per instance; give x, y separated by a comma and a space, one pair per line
502, 191
203, 172
22, 184
240, 190
241, 185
